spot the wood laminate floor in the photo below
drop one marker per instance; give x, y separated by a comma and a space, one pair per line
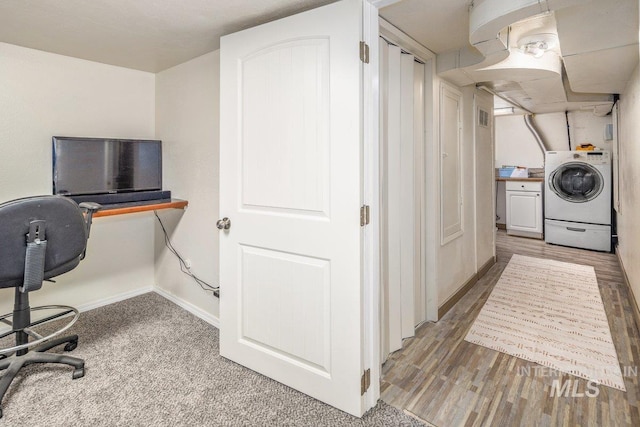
447, 381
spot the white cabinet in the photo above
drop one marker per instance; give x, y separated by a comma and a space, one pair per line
524, 208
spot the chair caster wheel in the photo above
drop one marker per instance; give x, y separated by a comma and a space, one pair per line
71, 346
78, 373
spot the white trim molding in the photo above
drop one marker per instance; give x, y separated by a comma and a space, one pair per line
196, 311
396, 36
371, 197
113, 299
379, 4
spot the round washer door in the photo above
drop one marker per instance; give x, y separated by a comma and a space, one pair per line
576, 182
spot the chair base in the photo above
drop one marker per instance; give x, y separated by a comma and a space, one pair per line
22, 324
15, 362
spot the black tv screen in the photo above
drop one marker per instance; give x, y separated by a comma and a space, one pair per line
104, 166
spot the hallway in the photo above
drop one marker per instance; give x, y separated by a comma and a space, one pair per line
442, 379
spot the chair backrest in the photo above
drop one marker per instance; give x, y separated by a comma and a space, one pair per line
65, 232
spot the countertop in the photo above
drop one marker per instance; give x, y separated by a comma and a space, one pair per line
532, 179
538, 176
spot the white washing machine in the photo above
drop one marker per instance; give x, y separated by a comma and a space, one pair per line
578, 199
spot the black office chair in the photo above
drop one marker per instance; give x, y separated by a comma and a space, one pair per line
40, 238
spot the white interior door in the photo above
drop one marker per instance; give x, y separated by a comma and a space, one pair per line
391, 204
420, 310
402, 176
291, 303
406, 227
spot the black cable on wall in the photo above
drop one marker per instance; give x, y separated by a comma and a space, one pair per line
215, 290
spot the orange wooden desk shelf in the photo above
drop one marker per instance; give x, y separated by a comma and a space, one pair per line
173, 204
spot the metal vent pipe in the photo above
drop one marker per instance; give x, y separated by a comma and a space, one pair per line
528, 120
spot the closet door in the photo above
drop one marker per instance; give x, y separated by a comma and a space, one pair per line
407, 224
392, 206
420, 311
402, 148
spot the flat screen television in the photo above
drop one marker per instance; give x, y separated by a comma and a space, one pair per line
103, 166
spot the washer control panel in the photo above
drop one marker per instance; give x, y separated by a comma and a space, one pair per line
591, 157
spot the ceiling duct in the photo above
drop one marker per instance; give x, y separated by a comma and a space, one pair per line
600, 103
519, 41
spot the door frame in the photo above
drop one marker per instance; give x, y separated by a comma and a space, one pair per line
371, 197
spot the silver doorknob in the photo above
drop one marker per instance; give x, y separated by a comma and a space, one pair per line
223, 224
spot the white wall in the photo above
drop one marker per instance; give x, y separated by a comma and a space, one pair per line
187, 121
628, 224
515, 145
43, 94
484, 182
456, 259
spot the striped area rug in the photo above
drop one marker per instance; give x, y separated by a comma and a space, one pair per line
551, 313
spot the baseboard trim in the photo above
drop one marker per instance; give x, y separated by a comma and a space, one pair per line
486, 267
113, 299
196, 311
634, 304
527, 234
501, 226
448, 304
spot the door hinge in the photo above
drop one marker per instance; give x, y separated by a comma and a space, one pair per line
364, 52
365, 381
364, 215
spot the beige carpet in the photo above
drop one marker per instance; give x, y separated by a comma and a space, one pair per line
151, 363
551, 313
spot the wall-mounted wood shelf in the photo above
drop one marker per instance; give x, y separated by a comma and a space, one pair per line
173, 204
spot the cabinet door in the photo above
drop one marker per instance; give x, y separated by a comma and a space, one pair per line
524, 211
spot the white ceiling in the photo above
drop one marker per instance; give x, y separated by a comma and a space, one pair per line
441, 25
598, 38
148, 35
